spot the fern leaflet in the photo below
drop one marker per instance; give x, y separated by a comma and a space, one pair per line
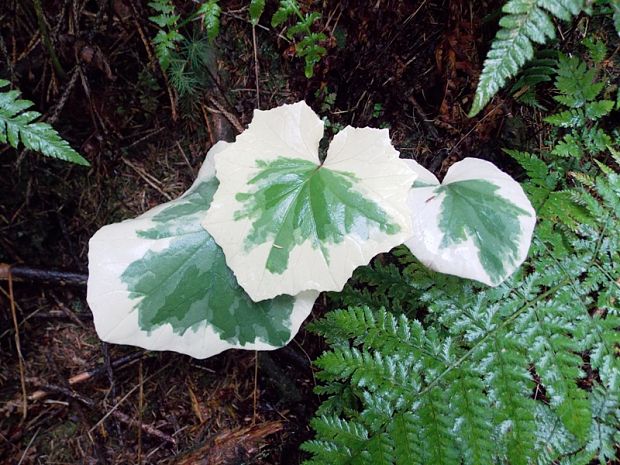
17, 124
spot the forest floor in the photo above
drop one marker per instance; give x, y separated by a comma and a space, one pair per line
411, 66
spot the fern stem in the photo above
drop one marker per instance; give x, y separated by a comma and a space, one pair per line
38, 9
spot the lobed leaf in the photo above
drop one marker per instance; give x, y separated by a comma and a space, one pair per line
289, 223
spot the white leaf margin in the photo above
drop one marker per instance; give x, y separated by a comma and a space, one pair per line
295, 131
462, 259
114, 247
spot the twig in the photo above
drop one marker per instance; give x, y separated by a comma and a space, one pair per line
123, 418
25, 454
20, 358
478, 123
22, 272
116, 413
55, 112
93, 373
425, 120
189, 165
229, 116
141, 139
140, 411
256, 66
255, 393
150, 180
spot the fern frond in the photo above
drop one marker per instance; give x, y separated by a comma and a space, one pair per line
596, 49
524, 23
210, 12
256, 10
510, 385
436, 418
474, 429
17, 124
488, 375
554, 352
575, 82
308, 47
408, 446
541, 69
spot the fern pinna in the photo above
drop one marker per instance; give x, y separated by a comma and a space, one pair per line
17, 124
524, 23
520, 374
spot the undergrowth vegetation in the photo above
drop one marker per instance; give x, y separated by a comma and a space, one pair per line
182, 43
424, 368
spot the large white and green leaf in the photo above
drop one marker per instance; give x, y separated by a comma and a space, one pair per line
160, 281
477, 224
289, 223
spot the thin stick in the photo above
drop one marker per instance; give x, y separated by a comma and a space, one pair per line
120, 415
123, 418
93, 373
23, 272
255, 400
140, 409
256, 66
150, 180
34, 436
229, 116
189, 165
20, 358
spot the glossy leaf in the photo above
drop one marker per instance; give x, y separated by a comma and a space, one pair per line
160, 282
477, 224
288, 223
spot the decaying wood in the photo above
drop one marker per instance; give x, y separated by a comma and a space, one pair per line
232, 446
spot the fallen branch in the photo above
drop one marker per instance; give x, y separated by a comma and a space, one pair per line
26, 273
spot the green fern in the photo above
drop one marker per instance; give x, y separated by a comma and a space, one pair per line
17, 124
540, 70
309, 46
524, 23
256, 10
169, 39
485, 375
209, 13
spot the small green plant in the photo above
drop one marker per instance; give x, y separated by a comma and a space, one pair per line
541, 69
173, 47
18, 124
168, 36
578, 138
308, 47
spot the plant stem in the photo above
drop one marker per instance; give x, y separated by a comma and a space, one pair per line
46, 38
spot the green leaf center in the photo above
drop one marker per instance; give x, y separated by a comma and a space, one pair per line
292, 201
